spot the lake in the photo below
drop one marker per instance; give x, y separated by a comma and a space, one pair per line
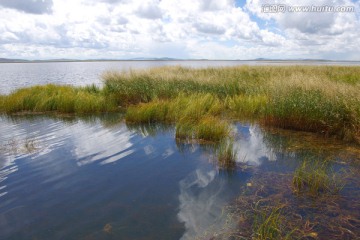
19, 75
97, 177
86, 173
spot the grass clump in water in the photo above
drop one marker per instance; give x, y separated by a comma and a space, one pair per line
226, 154
195, 116
315, 178
212, 129
207, 129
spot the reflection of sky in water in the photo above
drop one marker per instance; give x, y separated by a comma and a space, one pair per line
205, 192
200, 204
89, 139
250, 146
94, 175
203, 195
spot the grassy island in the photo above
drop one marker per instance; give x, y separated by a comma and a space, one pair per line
202, 102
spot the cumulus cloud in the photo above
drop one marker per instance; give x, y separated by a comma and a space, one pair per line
216, 29
33, 6
313, 34
149, 10
209, 28
215, 5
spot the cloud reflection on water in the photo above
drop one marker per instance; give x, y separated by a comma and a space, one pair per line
93, 144
200, 203
204, 193
251, 148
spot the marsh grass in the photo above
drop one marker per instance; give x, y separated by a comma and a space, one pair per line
55, 98
246, 106
207, 130
324, 99
226, 154
315, 178
195, 116
320, 99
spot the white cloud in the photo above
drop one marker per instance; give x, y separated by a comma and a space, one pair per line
324, 34
149, 10
189, 29
33, 6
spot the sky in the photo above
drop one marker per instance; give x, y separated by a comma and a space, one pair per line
186, 29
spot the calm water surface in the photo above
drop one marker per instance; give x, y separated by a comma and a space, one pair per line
92, 178
19, 75
80, 176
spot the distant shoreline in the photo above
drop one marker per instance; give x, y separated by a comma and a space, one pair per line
182, 60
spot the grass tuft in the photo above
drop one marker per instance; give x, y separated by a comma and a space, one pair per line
315, 178
226, 154
267, 225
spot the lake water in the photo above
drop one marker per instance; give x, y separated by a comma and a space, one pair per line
84, 175
19, 75
97, 178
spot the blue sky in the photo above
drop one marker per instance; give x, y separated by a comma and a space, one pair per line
213, 29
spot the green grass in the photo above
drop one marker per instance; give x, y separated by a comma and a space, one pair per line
321, 99
324, 99
226, 154
207, 129
246, 106
267, 225
55, 98
195, 116
315, 178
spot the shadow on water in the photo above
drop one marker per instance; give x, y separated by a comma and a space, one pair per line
67, 177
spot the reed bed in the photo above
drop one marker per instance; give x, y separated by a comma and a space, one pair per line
317, 99
321, 99
55, 98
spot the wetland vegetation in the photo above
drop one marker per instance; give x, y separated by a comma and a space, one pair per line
203, 104
321, 99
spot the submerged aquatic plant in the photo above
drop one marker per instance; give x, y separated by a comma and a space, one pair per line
267, 209
315, 178
16, 146
267, 224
